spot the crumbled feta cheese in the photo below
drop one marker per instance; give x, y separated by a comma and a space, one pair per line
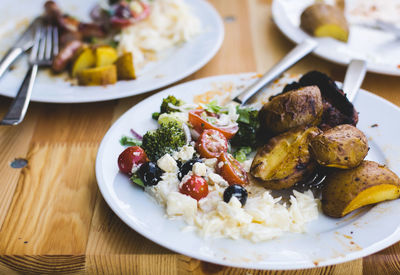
167, 163
169, 183
199, 169
135, 168
216, 179
185, 154
220, 164
210, 162
181, 205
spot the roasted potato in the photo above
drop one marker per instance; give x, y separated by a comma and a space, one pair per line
98, 76
85, 59
337, 108
293, 109
105, 56
125, 67
285, 159
323, 20
347, 190
343, 146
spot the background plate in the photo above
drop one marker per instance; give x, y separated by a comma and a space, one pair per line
178, 62
380, 49
328, 241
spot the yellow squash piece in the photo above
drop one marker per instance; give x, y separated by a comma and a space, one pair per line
85, 59
98, 76
105, 56
323, 20
347, 190
125, 67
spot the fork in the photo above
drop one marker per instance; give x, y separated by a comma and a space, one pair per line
45, 47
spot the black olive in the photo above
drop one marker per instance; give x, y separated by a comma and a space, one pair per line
237, 191
149, 173
187, 167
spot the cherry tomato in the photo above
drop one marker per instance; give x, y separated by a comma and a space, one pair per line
211, 144
133, 155
200, 124
195, 186
231, 170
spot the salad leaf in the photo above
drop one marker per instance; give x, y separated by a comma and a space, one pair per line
241, 154
137, 180
248, 127
129, 141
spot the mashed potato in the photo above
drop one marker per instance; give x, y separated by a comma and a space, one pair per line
262, 218
170, 22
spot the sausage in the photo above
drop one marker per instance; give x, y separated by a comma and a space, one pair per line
66, 37
52, 11
91, 30
66, 54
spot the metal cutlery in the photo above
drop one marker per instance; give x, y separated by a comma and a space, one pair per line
295, 55
45, 47
24, 43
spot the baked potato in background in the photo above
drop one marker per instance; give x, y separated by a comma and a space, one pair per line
347, 190
302, 107
285, 159
323, 20
343, 146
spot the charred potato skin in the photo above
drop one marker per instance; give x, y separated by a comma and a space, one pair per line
343, 146
302, 107
294, 166
341, 187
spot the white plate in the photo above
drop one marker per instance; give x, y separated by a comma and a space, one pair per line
380, 49
178, 63
328, 241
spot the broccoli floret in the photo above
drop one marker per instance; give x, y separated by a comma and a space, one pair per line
248, 127
166, 106
167, 138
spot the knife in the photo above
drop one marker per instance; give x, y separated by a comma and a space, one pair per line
24, 43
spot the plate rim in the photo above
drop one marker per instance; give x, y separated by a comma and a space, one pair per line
162, 83
376, 247
287, 30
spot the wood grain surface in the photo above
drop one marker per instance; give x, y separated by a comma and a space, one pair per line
53, 218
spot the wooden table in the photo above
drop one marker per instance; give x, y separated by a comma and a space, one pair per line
52, 215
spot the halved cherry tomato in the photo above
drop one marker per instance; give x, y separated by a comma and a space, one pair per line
200, 124
195, 186
211, 144
231, 170
131, 156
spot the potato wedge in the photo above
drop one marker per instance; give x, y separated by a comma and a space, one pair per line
302, 107
323, 20
125, 67
98, 76
105, 56
347, 190
285, 159
343, 146
85, 59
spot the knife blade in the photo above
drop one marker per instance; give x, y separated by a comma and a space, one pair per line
23, 43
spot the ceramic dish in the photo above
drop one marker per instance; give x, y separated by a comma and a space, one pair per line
176, 64
328, 241
380, 49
